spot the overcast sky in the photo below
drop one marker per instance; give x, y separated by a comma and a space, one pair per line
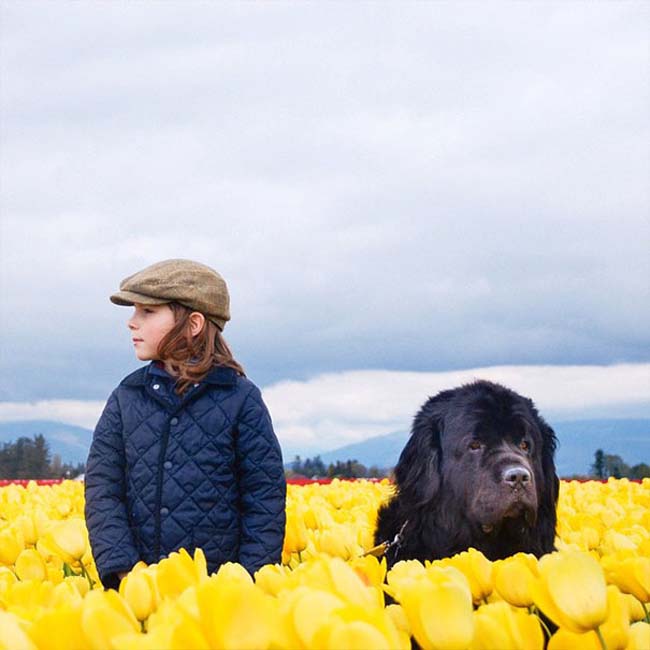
407, 187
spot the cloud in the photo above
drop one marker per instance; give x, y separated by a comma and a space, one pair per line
78, 412
334, 409
415, 187
331, 410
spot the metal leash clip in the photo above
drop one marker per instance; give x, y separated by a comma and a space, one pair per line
381, 549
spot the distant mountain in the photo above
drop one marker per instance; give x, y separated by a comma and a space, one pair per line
380, 451
71, 443
578, 441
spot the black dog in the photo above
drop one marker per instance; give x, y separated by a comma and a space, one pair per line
477, 471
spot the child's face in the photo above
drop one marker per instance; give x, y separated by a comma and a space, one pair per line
148, 325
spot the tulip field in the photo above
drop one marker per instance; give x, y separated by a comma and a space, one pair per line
594, 592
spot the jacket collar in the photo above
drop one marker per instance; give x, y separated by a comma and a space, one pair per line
219, 376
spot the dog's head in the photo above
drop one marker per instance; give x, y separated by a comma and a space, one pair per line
484, 456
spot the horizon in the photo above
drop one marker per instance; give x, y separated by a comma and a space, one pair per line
335, 409
616, 437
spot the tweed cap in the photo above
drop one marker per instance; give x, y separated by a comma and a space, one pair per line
191, 284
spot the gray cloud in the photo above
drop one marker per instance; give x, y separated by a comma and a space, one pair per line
409, 187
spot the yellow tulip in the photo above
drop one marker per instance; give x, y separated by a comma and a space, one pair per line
356, 635
295, 537
357, 628
616, 628
310, 518
614, 542
378, 627
512, 578
499, 626
30, 565
12, 634
68, 539
138, 589
29, 597
565, 640
338, 542
12, 544
59, 629
341, 579
233, 572
186, 634
614, 631
7, 578
171, 614
630, 575
28, 526
402, 575
571, 590
161, 637
397, 615
635, 607
322, 600
177, 572
69, 591
477, 569
639, 637
306, 610
439, 610
370, 569
235, 615
104, 616
272, 578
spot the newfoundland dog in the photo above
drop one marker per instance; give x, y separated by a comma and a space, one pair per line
477, 471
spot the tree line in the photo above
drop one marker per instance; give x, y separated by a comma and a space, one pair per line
606, 465
316, 468
28, 458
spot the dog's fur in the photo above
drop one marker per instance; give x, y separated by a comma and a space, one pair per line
477, 471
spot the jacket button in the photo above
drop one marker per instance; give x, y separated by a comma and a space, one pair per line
167, 464
164, 511
156, 386
174, 421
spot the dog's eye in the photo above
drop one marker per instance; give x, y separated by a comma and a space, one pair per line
524, 445
475, 445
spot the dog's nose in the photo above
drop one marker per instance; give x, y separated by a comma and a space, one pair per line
516, 475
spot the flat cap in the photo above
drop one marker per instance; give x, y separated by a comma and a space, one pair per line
191, 284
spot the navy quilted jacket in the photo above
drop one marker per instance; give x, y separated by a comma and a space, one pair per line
202, 470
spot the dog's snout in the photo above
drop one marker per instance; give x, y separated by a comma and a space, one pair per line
516, 475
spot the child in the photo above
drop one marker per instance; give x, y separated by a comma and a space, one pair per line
184, 454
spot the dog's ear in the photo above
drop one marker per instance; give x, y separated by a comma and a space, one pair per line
417, 473
550, 489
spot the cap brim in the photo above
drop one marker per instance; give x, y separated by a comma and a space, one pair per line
129, 298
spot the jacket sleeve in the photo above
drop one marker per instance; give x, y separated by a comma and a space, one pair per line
262, 486
110, 535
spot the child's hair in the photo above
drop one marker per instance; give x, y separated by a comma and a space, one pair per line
192, 357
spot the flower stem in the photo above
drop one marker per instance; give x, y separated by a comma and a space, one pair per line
645, 609
534, 610
601, 638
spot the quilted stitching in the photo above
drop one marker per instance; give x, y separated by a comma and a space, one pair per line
221, 480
